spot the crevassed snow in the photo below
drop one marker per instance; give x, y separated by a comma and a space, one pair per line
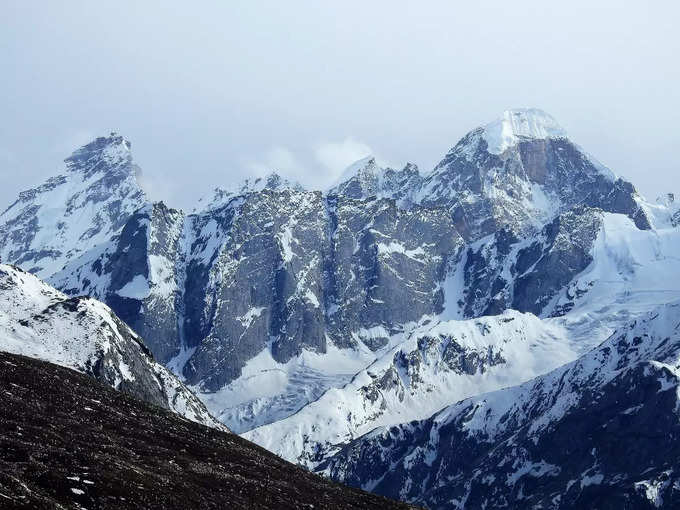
651, 342
559, 390
632, 272
268, 391
628, 278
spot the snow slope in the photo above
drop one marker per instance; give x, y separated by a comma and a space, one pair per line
633, 271
268, 391
81, 333
272, 301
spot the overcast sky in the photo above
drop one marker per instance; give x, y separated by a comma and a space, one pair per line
211, 92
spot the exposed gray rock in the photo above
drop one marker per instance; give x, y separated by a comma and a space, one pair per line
503, 271
135, 273
295, 268
270, 266
522, 187
386, 263
254, 278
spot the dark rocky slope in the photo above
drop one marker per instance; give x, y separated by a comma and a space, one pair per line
68, 441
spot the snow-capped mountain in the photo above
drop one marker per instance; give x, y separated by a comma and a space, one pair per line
135, 273
600, 432
81, 333
269, 298
517, 173
625, 275
71, 213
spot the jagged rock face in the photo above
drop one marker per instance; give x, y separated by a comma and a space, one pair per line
81, 333
385, 265
290, 269
554, 442
505, 272
269, 268
516, 174
43, 230
283, 270
220, 197
254, 277
521, 185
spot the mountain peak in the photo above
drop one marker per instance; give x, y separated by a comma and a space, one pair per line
368, 178
520, 124
272, 181
70, 213
111, 150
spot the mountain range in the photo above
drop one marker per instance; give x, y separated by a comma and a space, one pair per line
362, 331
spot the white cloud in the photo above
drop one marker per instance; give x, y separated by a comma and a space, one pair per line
277, 159
159, 189
315, 168
336, 156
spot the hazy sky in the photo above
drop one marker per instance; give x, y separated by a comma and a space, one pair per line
211, 92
